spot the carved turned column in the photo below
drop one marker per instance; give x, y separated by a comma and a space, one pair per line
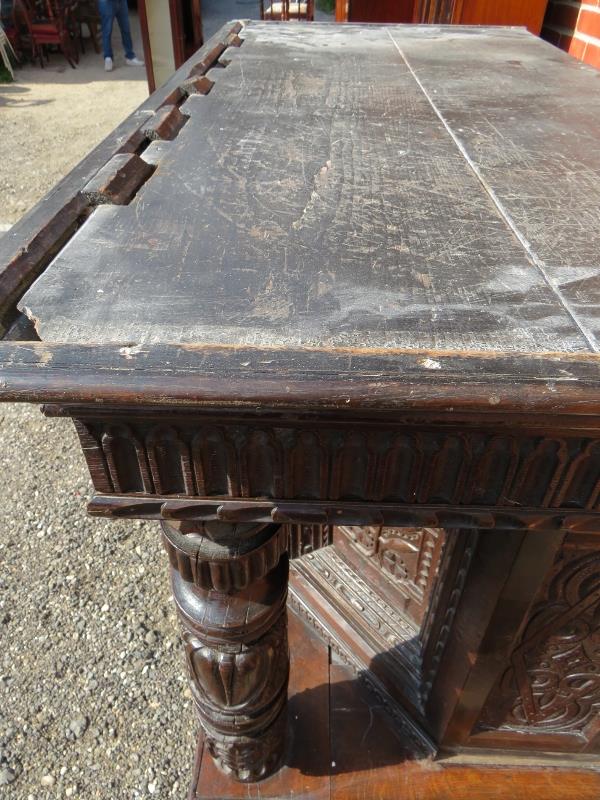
230, 586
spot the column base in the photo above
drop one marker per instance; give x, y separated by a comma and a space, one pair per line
248, 759
305, 762
342, 745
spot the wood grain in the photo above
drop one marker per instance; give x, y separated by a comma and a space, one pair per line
28, 248
526, 141
316, 379
356, 221
348, 284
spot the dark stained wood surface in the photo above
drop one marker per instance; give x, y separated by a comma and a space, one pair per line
318, 197
345, 747
305, 772
29, 246
528, 117
321, 303
310, 378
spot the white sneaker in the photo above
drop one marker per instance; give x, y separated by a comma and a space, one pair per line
134, 62
108, 64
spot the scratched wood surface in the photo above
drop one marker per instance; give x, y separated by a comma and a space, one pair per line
527, 117
363, 187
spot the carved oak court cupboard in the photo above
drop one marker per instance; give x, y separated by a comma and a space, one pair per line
327, 306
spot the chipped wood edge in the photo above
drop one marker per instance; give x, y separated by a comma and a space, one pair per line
31, 244
311, 379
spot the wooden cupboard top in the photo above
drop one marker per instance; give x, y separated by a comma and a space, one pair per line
362, 192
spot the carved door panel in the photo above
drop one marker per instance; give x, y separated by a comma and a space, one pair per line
549, 693
488, 638
406, 561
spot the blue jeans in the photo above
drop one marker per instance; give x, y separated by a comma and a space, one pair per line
109, 11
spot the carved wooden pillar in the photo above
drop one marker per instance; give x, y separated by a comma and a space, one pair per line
230, 586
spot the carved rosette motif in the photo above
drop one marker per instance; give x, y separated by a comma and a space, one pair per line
553, 682
230, 587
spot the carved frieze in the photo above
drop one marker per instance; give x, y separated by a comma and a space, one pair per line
305, 461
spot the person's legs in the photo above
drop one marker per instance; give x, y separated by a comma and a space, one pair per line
107, 13
122, 15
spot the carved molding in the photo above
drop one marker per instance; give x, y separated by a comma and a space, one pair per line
372, 622
343, 513
343, 463
443, 604
222, 568
552, 685
303, 539
408, 650
391, 627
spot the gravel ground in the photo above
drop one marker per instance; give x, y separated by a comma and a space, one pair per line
93, 698
94, 702
51, 118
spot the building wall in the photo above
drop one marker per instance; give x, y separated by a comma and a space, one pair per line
574, 26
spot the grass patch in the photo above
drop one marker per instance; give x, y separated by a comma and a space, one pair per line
5, 76
327, 6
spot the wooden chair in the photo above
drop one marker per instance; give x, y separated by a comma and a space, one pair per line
53, 23
284, 10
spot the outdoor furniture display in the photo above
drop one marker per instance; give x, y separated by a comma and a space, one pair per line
16, 24
52, 22
285, 10
8, 23
326, 308
171, 32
